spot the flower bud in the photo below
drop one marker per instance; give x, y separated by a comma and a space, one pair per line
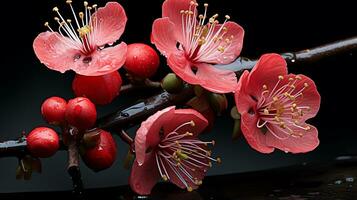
236, 129
234, 113
81, 113
218, 102
171, 83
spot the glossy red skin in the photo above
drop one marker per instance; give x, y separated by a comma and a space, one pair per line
53, 110
99, 89
141, 60
81, 113
42, 142
103, 155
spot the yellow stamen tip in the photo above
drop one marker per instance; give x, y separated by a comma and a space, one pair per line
164, 177
189, 189
306, 85
68, 1
265, 87
55, 9
192, 123
219, 161
227, 17
85, 3
298, 77
205, 5
46, 24
95, 6
281, 77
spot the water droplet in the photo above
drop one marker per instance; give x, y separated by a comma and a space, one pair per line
76, 57
338, 182
110, 44
293, 60
286, 151
102, 47
124, 114
350, 179
87, 60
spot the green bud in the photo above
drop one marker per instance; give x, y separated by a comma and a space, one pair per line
236, 129
218, 102
234, 113
171, 83
198, 90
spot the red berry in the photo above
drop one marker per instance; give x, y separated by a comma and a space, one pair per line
99, 89
141, 60
103, 155
42, 142
53, 110
81, 113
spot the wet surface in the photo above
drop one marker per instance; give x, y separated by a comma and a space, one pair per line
327, 181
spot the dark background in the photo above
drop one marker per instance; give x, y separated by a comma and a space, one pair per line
271, 26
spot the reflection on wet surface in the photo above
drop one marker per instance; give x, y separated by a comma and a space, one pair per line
335, 180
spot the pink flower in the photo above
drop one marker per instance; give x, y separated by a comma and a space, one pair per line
192, 45
274, 106
166, 146
79, 44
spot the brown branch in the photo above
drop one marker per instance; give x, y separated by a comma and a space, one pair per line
141, 110
146, 85
74, 170
134, 114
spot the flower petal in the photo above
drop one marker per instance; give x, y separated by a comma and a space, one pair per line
101, 62
235, 33
163, 36
266, 72
109, 23
310, 97
144, 177
148, 133
308, 142
182, 67
182, 116
216, 80
172, 10
242, 99
55, 51
254, 136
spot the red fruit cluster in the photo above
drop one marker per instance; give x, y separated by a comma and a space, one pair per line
79, 112
103, 155
42, 142
99, 89
141, 60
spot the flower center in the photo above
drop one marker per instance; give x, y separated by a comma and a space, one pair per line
203, 39
281, 107
185, 156
80, 35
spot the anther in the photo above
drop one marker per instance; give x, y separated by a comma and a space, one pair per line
192, 123
164, 177
189, 189
55, 9
192, 3
306, 85
81, 15
219, 161
46, 24
307, 128
182, 12
69, 1
205, 5
227, 17
94, 6
69, 21
265, 87
280, 77
266, 111
85, 3
298, 77
213, 142
56, 19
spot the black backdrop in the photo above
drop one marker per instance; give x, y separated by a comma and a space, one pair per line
271, 26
